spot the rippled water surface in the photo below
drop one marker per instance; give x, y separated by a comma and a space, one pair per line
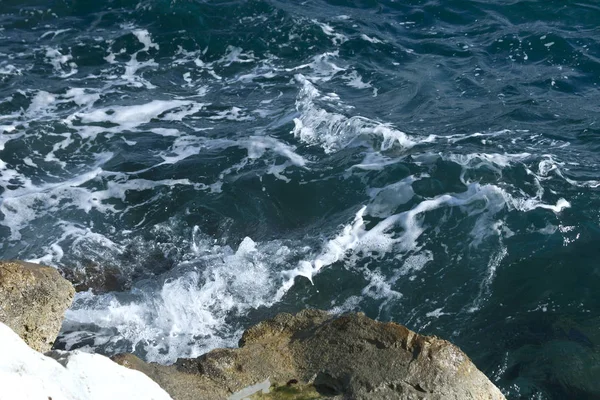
196, 166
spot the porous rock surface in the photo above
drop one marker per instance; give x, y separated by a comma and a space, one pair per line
33, 299
345, 357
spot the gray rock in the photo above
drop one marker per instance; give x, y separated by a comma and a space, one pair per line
33, 299
316, 355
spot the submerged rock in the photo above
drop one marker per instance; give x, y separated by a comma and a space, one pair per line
33, 299
28, 374
97, 278
316, 355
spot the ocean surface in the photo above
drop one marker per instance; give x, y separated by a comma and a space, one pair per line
197, 166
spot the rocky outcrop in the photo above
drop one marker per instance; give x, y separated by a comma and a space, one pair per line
310, 355
28, 374
33, 299
315, 355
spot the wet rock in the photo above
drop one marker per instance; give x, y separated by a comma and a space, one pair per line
99, 279
314, 353
33, 299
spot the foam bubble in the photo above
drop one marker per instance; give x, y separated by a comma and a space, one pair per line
9, 69
40, 103
131, 117
188, 314
129, 75
233, 114
143, 36
28, 203
370, 39
80, 97
62, 63
5, 137
236, 55
355, 80
336, 38
322, 66
334, 131
438, 312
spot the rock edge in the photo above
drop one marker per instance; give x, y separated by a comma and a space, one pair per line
33, 300
318, 354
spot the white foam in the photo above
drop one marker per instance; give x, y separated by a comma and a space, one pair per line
78, 237
354, 80
182, 148
81, 98
187, 315
257, 145
40, 103
322, 67
549, 165
9, 69
379, 288
129, 75
130, 117
233, 114
495, 161
23, 205
132, 67
62, 63
144, 38
399, 233
236, 55
54, 33
414, 263
336, 38
334, 131
438, 312
5, 138
370, 39
492, 267
352, 303
374, 161
334, 250
28, 161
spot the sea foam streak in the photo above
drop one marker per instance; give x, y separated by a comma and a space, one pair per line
334, 131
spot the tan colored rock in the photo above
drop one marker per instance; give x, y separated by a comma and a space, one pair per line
179, 384
33, 299
346, 357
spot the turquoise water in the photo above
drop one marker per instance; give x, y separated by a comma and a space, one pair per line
196, 166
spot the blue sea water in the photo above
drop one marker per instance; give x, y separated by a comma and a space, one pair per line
197, 166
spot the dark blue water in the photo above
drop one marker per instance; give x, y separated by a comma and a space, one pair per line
196, 166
